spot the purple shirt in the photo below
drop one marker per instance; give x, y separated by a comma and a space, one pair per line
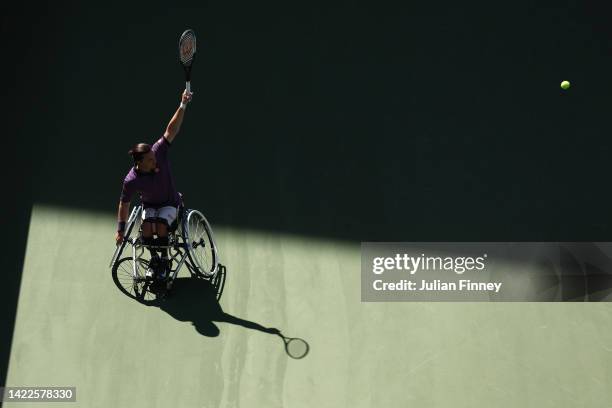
156, 190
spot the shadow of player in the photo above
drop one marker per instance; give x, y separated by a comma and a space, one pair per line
194, 300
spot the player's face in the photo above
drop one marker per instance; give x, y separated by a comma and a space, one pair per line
148, 162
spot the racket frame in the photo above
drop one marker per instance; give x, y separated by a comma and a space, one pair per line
288, 340
187, 65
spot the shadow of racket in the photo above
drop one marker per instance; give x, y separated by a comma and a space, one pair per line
295, 347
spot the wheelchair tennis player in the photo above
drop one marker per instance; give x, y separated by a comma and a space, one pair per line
151, 178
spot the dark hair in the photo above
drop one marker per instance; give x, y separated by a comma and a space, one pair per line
138, 151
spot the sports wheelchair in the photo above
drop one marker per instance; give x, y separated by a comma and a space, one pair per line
190, 243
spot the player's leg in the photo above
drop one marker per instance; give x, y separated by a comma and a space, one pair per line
149, 216
147, 229
166, 216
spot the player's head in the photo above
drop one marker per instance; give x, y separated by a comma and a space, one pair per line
144, 157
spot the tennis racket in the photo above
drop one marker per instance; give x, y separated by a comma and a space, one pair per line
187, 51
295, 347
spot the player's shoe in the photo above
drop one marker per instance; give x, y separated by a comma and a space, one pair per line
154, 266
164, 268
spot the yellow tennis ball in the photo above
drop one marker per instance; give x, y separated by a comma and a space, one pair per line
565, 85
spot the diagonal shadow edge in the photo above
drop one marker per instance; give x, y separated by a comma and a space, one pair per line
12, 282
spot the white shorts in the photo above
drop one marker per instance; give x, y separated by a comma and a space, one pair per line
167, 213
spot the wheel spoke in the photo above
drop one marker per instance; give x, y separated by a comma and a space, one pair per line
200, 239
135, 288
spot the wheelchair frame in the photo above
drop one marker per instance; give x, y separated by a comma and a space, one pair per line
181, 249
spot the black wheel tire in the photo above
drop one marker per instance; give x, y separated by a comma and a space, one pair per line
123, 279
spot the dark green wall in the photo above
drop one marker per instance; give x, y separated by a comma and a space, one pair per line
437, 121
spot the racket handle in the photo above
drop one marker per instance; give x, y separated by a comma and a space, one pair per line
188, 86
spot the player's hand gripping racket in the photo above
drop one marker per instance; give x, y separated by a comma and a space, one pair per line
187, 51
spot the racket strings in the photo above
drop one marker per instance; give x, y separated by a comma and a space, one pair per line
187, 47
297, 348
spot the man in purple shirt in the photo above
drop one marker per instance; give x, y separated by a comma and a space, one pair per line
151, 178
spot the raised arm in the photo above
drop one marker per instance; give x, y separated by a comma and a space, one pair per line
175, 123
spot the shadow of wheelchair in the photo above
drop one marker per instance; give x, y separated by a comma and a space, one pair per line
195, 301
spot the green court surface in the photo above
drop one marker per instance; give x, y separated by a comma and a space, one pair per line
75, 328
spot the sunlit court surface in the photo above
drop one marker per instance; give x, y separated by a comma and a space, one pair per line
312, 137
75, 327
